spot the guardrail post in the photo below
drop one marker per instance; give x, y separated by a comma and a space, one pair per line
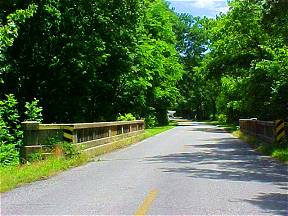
30, 138
75, 138
279, 130
131, 128
30, 135
69, 134
110, 131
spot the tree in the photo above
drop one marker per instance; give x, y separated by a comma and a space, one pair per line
245, 66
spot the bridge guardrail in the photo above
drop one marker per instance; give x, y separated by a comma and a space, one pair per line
84, 136
263, 130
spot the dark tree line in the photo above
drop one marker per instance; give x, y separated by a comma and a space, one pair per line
90, 60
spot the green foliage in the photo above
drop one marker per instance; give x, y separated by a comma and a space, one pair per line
33, 111
244, 71
98, 58
126, 117
35, 157
68, 149
11, 134
274, 149
222, 118
8, 155
10, 31
281, 154
265, 149
52, 141
197, 99
10, 131
14, 176
152, 83
150, 121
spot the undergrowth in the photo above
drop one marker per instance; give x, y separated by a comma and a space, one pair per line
276, 150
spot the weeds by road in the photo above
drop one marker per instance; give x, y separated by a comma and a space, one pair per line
14, 176
270, 149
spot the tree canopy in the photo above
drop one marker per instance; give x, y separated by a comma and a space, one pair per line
243, 72
92, 60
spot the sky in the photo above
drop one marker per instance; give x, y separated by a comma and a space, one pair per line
201, 8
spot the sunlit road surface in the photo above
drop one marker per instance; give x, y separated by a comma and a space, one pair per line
193, 169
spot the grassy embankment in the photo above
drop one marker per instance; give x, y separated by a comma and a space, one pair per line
14, 176
270, 149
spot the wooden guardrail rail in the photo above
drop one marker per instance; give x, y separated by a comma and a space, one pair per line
85, 136
267, 131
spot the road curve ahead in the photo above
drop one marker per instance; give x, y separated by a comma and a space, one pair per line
193, 169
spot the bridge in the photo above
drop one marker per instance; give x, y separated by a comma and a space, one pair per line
193, 169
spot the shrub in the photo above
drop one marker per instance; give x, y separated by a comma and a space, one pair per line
222, 118
11, 134
10, 131
35, 157
69, 150
150, 121
281, 154
162, 117
33, 111
66, 149
126, 117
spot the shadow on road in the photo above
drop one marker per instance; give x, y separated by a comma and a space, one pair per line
211, 130
275, 202
232, 160
183, 124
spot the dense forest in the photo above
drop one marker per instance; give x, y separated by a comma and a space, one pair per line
92, 60
62, 61
236, 66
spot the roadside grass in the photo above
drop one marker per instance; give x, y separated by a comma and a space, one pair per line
277, 151
15, 176
281, 154
156, 130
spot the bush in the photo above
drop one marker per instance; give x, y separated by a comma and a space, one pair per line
9, 155
35, 157
11, 134
265, 148
150, 121
10, 131
62, 148
126, 117
281, 154
211, 117
69, 150
222, 118
33, 111
162, 117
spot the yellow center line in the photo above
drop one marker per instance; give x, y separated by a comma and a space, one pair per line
144, 207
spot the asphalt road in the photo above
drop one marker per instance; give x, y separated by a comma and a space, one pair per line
193, 169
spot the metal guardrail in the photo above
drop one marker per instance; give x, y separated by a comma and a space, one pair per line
263, 130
